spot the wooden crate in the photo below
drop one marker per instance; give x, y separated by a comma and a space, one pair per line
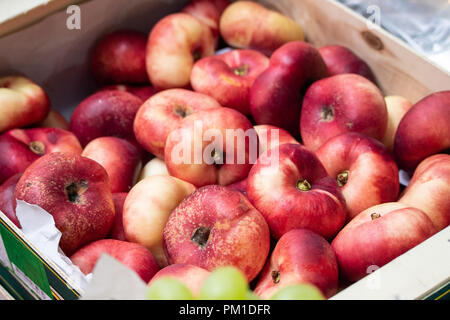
36, 44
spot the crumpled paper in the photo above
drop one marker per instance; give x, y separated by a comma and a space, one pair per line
39, 228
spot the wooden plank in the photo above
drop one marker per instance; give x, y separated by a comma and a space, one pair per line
398, 69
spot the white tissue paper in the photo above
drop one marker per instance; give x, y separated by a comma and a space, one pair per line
39, 228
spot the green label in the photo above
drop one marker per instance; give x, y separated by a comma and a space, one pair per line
442, 293
25, 264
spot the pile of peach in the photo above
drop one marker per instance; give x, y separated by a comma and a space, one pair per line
321, 203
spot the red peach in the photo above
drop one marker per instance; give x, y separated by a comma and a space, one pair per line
174, 44
75, 190
217, 226
276, 95
163, 112
121, 160
208, 12
429, 189
339, 104
378, 235
132, 255
210, 147
249, 25
423, 131
23, 103
20, 147
300, 256
105, 113
359, 162
119, 57
341, 60
291, 189
228, 77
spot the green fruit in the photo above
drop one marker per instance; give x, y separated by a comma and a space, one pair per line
225, 283
168, 288
298, 292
